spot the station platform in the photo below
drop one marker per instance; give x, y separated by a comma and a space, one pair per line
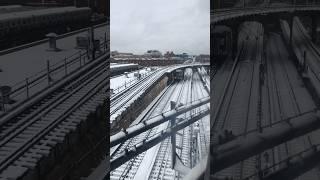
18, 63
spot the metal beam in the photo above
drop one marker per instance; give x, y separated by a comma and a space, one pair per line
244, 147
153, 122
297, 165
173, 137
144, 146
197, 173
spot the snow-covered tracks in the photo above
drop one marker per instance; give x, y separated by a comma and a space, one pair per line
155, 163
120, 101
32, 135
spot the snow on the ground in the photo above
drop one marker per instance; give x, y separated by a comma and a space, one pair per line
17, 66
121, 82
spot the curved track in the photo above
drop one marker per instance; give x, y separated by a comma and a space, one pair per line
156, 162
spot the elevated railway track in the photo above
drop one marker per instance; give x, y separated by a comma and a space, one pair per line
287, 87
156, 163
37, 132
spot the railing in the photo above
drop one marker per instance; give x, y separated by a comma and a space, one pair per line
154, 121
283, 163
126, 84
25, 89
144, 145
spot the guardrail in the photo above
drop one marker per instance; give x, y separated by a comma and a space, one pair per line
25, 89
126, 84
135, 130
143, 146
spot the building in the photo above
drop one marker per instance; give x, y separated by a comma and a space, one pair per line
169, 54
120, 54
153, 53
183, 55
203, 58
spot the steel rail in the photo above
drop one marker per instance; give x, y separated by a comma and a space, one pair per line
153, 122
244, 147
142, 147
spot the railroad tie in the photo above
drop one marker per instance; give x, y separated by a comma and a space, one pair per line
44, 152
26, 164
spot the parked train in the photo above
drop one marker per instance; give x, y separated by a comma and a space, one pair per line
27, 20
117, 69
178, 74
222, 43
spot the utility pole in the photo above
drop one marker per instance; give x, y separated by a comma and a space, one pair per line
92, 42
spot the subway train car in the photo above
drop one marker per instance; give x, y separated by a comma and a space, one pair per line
222, 43
117, 69
178, 75
27, 20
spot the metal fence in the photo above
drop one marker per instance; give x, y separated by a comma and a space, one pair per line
30, 86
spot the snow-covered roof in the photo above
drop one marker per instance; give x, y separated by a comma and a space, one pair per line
121, 65
20, 64
39, 12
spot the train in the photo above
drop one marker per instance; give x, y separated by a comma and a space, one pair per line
178, 74
42, 18
117, 69
221, 43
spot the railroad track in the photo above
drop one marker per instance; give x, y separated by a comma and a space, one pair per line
187, 139
205, 77
304, 44
313, 51
174, 93
314, 67
132, 87
237, 109
162, 165
204, 124
228, 86
286, 98
33, 134
119, 102
283, 78
123, 170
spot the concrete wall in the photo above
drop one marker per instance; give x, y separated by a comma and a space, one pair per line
81, 150
132, 112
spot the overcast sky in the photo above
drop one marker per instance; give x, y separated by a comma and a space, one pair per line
178, 25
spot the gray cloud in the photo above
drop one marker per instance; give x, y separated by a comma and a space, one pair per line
177, 25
